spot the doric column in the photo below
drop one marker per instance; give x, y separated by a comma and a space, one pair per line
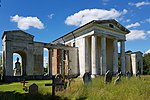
115, 57
122, 51
93, 52
50, 54
103, 55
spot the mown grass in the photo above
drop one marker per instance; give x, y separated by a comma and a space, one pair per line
128, 89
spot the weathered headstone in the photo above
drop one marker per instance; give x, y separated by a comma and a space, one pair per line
54, 86
108, 77
128, 75
138, 74
59, 80
118, 79
33, 89
87, 78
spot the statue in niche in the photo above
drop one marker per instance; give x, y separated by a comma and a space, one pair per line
17, 69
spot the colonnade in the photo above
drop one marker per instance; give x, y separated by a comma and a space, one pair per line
103, 56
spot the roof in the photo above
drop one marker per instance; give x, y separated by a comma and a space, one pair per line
6, 32
121, 27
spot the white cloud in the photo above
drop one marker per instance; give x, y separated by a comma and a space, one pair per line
25, 23
148, 51
50, 16
82, 17
148, 20
148, 32
138, 4
128, 20
133, 25
136, 35
1, 52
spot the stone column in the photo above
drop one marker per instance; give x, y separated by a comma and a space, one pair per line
122, 51
50, 54
103, 55
115, 57
87, 65
62, 62
93, 55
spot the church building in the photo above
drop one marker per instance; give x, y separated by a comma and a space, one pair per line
97, 43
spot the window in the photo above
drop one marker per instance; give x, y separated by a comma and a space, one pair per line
74, 44
110, 25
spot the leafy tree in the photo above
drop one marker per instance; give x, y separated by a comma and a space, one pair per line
146, 64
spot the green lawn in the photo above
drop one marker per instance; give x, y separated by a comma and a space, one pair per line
132, 89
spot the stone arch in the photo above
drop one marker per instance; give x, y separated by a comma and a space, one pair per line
20, 42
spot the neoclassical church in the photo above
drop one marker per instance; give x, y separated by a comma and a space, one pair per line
95, 47
97, 43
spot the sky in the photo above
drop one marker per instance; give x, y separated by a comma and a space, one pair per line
47, 20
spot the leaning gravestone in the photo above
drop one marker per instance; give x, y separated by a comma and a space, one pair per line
59, 80
87, 78
118, 79
33, 89
108, 77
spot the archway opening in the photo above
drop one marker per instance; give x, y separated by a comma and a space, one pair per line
19, 63
45, 59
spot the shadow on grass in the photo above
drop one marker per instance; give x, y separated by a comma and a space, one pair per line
1, 83
82, 98
12, 95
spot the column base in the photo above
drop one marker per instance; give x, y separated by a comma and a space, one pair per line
93, 76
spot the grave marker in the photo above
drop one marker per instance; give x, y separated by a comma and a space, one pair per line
118, 79
108, 77
54, 85
87, 78
24, 85
33, 89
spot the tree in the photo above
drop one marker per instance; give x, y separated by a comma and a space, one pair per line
146, 64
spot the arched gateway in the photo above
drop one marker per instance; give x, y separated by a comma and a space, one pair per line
22, 43
31, 52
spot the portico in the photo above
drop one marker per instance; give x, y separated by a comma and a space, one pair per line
102, 54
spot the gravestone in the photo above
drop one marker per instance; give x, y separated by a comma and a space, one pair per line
108, 77
118, 79
33, 89
59, 80
128, 75
87, 78
54, 85
138, 74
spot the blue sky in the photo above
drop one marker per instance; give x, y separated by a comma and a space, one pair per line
50, 19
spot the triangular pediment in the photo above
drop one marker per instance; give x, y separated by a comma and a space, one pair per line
113, 25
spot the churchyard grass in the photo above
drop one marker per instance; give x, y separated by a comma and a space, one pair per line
127, 89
